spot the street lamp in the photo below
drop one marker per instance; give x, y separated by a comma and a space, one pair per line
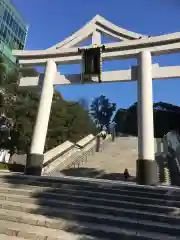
113, 130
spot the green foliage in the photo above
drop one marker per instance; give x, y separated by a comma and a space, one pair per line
12, 167
101, 110
3, 166
72, 123
68, 120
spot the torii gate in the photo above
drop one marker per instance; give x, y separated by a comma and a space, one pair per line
128, 45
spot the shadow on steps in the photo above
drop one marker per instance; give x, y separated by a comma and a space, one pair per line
95, 173
71, 205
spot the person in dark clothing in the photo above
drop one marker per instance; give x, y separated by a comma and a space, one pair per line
126, 174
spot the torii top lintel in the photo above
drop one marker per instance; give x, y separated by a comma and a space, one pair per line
128, 44
100, 24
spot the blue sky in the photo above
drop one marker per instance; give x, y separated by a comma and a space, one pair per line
51, 21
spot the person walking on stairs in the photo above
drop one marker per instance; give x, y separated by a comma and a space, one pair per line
126, 174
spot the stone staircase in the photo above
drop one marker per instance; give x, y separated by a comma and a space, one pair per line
109, 163
118, 155
69, 208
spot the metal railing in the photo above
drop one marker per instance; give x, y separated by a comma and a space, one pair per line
83, 157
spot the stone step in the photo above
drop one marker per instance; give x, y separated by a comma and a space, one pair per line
59, 199
90, 204
86, 218
27, 231
114, 194
66, 194
16, 181
84, 213
76, 231
78, 209
115, 187
94, 188
6, 237
166, 194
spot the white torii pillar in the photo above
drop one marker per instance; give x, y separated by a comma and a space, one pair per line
35, 157
146, 164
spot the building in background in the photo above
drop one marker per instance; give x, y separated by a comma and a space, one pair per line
13, 30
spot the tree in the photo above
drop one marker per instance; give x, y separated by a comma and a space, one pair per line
101, 110
17, 107
68, 120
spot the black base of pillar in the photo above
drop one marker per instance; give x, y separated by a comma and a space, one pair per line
34, 164
146, 172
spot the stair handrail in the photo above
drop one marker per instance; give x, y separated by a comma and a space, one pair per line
83, 157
